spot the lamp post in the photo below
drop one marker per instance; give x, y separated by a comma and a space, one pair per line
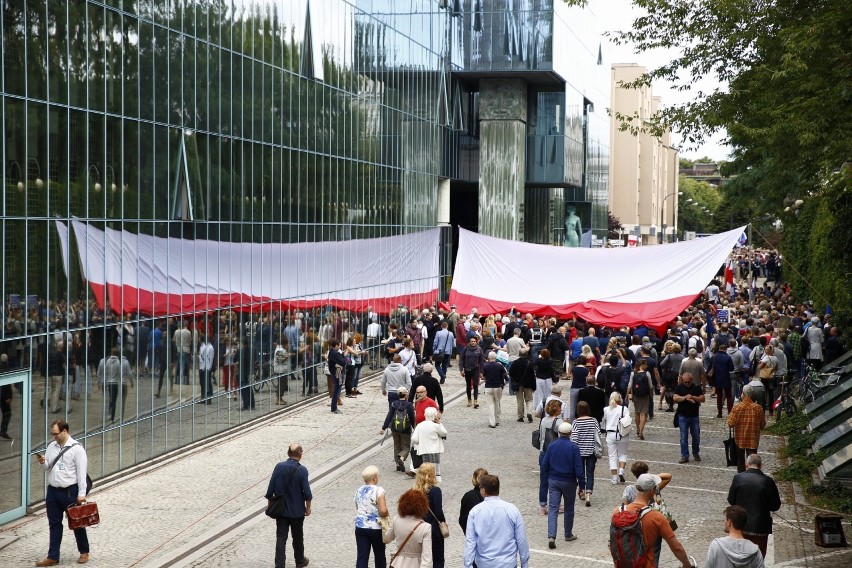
663, 215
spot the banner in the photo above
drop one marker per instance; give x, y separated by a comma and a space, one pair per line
648, 285
159, 276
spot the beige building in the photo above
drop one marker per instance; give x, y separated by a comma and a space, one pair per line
643, 169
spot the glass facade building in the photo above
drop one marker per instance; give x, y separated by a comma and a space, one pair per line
262, 122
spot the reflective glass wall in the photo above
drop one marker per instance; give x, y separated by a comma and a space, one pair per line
285, 121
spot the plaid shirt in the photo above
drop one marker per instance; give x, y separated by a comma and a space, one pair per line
747, 420
796, 341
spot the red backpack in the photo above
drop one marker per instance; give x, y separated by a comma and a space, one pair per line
626, 541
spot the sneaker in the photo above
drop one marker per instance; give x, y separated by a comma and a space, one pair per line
475, 404
621, 475
529, 418
615, 480
551, 543
400, 468
719, 415
570, 538
521, 419
338, 411
684, 460
697, 458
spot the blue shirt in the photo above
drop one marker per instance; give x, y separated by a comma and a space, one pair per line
562, 462
290, 478
495, 536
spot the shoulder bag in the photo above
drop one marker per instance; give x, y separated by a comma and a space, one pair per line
598, 443
277, 504
385, 522
536, 435
625, 424
442, 525
731, 449
398, 550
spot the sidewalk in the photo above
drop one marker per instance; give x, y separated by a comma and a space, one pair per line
204, 507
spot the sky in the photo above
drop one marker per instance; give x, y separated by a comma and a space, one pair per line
619, 15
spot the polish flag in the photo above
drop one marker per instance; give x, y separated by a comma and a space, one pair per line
729, 276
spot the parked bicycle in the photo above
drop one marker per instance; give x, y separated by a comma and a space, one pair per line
809, 387
785, 403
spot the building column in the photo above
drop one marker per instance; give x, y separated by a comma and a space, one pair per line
502, 161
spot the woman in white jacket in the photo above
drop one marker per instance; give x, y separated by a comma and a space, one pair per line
428, 438
616, 444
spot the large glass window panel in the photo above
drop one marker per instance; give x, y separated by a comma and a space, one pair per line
144, 187
95, 66
14, 47
36, 47
57, 51
114, 60
201, 86
131, 67
129, 178
147, 70
176, 70
160, 84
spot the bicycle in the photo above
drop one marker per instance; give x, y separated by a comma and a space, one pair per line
263, 378
785, 403
807, 388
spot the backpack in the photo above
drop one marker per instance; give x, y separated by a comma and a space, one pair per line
400, 421
640, 384
549, 435
626, 542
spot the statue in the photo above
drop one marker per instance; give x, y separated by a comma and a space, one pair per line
573, 228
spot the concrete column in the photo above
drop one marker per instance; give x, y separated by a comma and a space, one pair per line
503, 151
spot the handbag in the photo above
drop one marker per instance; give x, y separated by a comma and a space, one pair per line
442, 525
385, 523
276, 506
536, 435
625, 424
660, 505
83, 515
598, 444
399, 549
731, 449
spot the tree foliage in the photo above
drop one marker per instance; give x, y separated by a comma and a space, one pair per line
785, 74
614, 226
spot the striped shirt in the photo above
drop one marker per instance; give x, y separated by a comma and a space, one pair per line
583, 434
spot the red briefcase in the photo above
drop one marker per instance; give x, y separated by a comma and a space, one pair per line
82, 515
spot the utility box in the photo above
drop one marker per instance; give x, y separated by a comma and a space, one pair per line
828, 531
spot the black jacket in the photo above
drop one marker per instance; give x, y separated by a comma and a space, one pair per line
469, 500
433, 388
522, 373
596, 399
757, 493
494, 374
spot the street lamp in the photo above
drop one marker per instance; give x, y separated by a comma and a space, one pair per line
663, 216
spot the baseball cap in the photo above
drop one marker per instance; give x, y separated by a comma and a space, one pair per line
565, 428
402, 390
647, 481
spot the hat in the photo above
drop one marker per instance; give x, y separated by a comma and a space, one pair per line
565, 428
647, 481
425, 310
646, 339
402, 391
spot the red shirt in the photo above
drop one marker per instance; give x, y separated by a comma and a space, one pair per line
420, 407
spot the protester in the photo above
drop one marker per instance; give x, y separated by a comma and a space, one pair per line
548, 429
616, 444
522, 377
733, 550
370, 505
495, 379
543, 376
495, 536
289, 481
394, 377
640, 390
758, 494
472, 359
594, 397
428, 439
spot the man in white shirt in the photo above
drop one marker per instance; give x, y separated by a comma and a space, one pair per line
374, 338
555, 394
66, 465
495, 534
183, 347
206, 357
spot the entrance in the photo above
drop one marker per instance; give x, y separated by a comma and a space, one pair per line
14, 444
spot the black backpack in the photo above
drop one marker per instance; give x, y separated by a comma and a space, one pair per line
640, 384
400, 421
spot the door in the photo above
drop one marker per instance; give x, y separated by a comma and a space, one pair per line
14, 444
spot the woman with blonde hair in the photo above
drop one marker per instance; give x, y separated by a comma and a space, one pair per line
471, 499
412, 533
427, 483
428, 437
616, 444
370, 506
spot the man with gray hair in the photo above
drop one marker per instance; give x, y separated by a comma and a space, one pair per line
758, 494
694, 367
747, 420
515, 346
555, 394
495, 377
395, 375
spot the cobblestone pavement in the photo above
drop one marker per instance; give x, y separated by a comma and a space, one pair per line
203, 506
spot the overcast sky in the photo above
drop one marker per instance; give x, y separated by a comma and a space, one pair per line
619, 14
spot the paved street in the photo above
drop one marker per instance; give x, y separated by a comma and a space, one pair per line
203, 506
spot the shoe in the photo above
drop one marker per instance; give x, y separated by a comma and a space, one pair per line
650, 417
570, 538
697, 458
438, 478
615, 480
670, 410
83, 558
641, 436
340, 401
684, 460
410, 474
47, 562
561, 509
719, 415
529, 418
303, 563
351, 395
521, 419
588, 498
338, 411
469, 403
491, 426
400, 468
621, 475
281, 403
5, 436
358, 392
551, 543
713, 395
475, 404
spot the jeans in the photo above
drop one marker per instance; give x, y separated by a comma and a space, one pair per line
393, 396
205, 377
689, 426
183, 366
365, 539
589, 463
558, 490
246, 393
113, 399
471, 384
283, 525
56, 502
336, 394
572, 409
356, 376
441, 362
542, 482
